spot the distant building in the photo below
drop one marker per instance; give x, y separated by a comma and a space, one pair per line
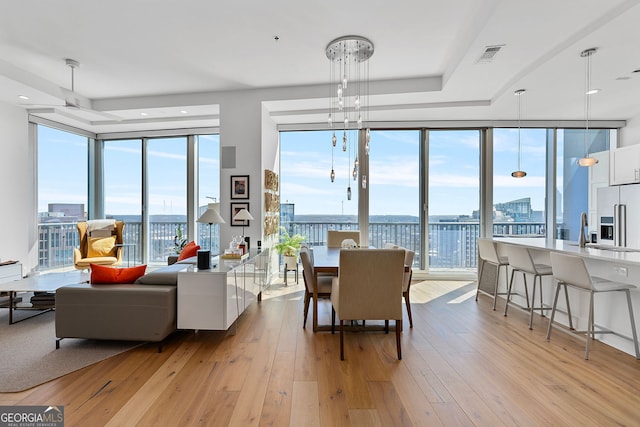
64, 212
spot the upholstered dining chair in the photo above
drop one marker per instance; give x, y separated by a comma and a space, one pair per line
98, 246
369, 287
323, 284
335, 237
409, 255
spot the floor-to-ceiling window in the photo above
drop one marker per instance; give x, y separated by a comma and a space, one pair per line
453, 198
62, 194
519, 203
122, 176
572, 181
306, 191
167, 194
394, 189
208, 188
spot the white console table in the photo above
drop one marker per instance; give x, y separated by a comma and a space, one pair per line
213, 299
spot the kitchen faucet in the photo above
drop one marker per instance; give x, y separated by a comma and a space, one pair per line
583, 223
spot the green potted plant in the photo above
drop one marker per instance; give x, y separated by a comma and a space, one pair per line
289, 246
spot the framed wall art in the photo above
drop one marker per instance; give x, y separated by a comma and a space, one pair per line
240, 186
235, 208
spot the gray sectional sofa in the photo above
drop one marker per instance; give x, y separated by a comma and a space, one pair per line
140, 311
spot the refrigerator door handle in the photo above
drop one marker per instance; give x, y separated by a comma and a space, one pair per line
619, 225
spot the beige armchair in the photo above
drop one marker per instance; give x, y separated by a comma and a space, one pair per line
369, 287
323, 285
335, 237
102, 249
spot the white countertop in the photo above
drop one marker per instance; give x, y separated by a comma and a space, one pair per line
573, 248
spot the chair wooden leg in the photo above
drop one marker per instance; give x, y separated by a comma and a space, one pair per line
333, 319
398, 329
307, 298
408, 303
341, 339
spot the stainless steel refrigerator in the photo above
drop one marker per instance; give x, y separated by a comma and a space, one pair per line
619, 215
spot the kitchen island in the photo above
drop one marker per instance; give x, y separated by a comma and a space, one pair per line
618, 264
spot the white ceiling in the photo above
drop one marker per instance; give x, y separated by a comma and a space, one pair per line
176, 61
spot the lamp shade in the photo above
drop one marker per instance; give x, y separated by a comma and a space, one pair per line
243, 215
211, 215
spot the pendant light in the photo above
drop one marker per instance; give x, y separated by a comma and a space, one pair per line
586, 54
519, 173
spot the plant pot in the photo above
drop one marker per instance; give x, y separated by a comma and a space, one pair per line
290, 262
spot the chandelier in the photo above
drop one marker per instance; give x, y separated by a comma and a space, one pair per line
586, 54
349, 95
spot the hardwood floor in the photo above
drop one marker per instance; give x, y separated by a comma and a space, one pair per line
463, 364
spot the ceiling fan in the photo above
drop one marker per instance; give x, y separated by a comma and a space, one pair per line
73, 101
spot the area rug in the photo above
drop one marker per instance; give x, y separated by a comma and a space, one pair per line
29, 357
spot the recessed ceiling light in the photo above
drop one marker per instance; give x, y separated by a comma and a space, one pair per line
623, 78
143, 114
593, 91
637, 70
184, 111
23, 97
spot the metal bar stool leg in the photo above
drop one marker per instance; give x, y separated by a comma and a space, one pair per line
553, 310
633, 324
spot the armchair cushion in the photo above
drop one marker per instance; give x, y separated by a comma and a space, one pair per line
101, 247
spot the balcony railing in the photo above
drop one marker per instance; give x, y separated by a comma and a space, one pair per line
452, 245
57, 241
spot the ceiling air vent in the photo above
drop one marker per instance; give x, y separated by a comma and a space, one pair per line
489, 53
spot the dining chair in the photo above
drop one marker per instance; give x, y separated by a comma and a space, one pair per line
335, 237
571, 270
409, 255
368, 287
521, 260
323, 284
488, 253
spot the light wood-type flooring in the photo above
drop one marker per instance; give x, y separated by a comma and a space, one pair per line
463, 364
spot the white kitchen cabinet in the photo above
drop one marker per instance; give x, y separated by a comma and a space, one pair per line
625, 165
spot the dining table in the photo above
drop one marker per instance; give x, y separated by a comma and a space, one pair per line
326, 260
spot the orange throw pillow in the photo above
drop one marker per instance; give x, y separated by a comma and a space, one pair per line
105, 275
190, 250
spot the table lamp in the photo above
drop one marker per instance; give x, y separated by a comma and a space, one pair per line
211, 216
243, 215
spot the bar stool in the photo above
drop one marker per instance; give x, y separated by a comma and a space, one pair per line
570, 270
520, 259
489, 255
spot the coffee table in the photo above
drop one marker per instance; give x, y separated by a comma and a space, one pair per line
40, 283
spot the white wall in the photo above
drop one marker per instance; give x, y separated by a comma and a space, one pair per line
16, 188
630, 134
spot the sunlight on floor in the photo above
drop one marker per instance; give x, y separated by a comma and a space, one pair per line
423, 292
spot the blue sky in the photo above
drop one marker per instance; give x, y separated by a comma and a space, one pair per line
394, 171
306, 163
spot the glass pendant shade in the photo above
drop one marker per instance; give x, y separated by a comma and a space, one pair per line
349, 193
333, 175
